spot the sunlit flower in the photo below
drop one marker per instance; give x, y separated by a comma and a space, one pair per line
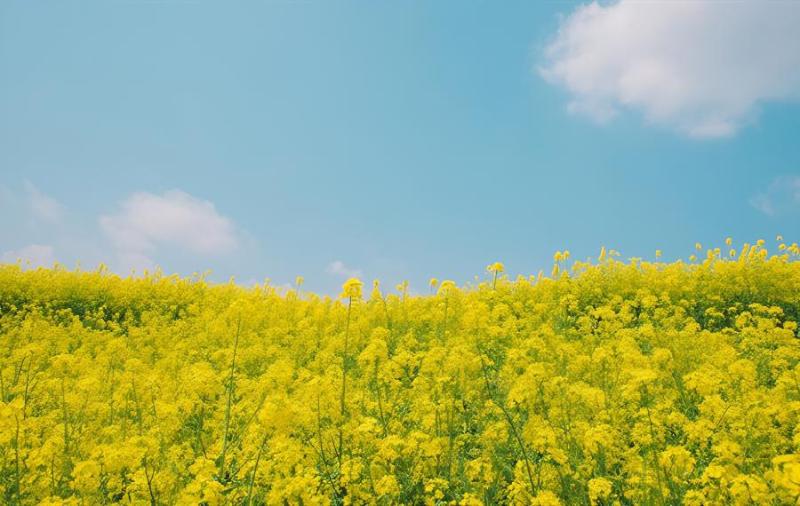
351, 289
446, 287
496, 267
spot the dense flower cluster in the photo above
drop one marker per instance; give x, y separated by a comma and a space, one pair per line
608, 382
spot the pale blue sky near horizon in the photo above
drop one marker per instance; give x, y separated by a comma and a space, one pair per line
391, 140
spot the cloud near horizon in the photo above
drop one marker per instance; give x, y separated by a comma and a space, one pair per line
32, 255
35, 210
781, 197
701, 68
144, 231
43, 207
147, 222
338, 268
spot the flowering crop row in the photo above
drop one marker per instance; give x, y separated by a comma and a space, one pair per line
606, 382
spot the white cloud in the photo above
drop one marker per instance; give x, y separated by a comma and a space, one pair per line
34, 255
43, 207
782, 196
699, 67
147, 222
338, 268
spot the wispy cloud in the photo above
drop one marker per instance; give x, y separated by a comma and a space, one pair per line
781, 197
701, 68
338, 268
36, 219
33, 255
43, 207
147, 222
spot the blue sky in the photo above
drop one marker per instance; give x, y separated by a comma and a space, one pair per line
391, 140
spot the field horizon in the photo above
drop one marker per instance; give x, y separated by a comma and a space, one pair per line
603, 382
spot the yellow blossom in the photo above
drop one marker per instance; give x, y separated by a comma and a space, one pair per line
351, 289
612, 382
599, 488
496, 267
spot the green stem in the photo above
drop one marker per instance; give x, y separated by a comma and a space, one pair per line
230, 400
16, 463
342, 407
255, 469
511, 425
444, 326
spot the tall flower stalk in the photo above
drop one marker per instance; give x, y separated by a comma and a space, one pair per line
496, 269
351, 290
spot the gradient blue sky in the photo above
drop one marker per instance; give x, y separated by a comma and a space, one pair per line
402, 139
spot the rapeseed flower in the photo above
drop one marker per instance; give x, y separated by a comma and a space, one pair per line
613, 382
351, 289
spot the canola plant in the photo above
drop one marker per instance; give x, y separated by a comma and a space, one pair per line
603, 382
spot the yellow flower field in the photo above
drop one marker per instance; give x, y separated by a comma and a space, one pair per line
602, 382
